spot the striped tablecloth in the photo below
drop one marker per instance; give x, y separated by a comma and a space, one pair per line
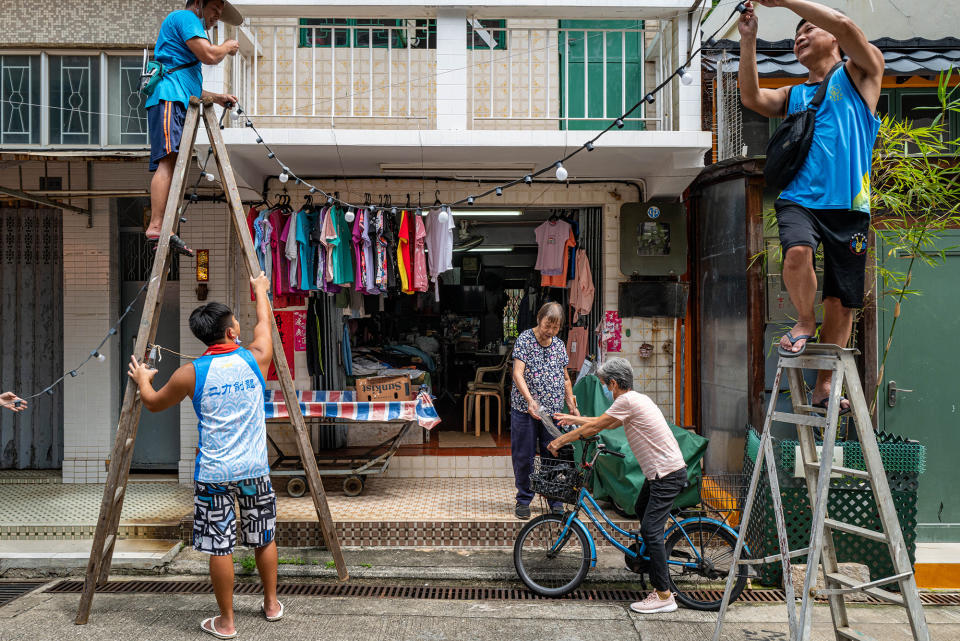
344, 405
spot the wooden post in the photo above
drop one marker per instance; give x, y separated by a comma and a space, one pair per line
279, 359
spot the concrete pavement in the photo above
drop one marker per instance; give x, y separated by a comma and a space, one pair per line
40, 617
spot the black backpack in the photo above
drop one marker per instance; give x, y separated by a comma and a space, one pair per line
790, 143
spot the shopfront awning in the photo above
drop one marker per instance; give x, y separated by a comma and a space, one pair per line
664, 161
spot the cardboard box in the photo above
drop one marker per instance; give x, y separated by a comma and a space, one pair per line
385, 388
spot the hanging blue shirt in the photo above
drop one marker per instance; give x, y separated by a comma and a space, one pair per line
171, 50
836, 173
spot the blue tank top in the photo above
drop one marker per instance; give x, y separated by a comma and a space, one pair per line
228, 397
836, 173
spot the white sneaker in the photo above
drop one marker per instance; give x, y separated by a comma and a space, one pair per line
653, 604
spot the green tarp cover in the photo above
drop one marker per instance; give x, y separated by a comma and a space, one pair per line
619, 480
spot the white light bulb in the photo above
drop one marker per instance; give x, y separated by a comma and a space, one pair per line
101, 357
443, 215
686, 77
561, 172
350, 216
234, 115
283, 177
424, 212
209, 177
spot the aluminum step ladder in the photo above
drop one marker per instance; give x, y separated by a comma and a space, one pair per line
817, 471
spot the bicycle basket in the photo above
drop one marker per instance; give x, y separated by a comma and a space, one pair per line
556, 479
722, 496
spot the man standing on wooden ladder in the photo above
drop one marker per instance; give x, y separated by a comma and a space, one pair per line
828, 201
182, 45
227, 388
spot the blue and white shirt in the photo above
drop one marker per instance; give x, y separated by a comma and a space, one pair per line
228, 397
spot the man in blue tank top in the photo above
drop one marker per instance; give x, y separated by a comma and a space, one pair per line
226, 386
828, 201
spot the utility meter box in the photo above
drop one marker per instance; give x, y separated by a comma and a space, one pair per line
653, 238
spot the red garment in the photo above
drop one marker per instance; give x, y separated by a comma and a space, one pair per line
287, 326
221, 348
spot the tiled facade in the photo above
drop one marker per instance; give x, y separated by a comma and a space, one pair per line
97, 23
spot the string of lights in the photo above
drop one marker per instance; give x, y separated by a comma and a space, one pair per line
96, 353
445, 208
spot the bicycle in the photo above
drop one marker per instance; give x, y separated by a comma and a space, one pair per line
554, 552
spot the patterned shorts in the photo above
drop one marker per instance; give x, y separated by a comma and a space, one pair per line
215, 519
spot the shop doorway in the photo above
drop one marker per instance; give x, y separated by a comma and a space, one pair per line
157, 445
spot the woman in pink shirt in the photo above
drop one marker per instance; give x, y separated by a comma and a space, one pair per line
658, 454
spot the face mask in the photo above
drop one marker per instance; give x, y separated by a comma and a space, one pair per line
607, 393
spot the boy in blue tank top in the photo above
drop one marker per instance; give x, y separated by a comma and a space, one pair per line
226, 386
828, 201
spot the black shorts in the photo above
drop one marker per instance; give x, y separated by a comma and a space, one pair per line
843, 234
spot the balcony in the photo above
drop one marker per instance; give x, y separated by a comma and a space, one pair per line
527, 74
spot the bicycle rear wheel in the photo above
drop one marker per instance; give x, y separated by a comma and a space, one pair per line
701, 587
547, 567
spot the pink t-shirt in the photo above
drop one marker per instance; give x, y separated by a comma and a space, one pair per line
420, 282
552, 246
648, 434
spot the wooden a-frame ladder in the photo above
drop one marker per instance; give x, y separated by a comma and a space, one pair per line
105, 539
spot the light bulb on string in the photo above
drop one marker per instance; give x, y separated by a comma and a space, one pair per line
235, 115
209, 177
528, 179
100, 357
283, 177
499, 191
619, 123
350, 216
561, 172
588, 146
650, 98
444, 215
421, 212
469, 200
685, 77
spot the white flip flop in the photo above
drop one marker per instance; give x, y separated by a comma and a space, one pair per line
212, 629
278, 616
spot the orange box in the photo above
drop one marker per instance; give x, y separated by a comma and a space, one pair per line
385, 388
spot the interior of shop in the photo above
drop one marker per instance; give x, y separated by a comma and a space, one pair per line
456, 338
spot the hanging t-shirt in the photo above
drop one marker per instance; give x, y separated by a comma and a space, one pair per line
439, 244
265, 250
552, 245
360, 259
342, 249
369, 256
560, 280
582, 291
391, 240
380, 242
420, 281
290, 250
403, 255
305, 221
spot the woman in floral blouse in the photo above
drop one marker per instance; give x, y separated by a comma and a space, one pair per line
540, 382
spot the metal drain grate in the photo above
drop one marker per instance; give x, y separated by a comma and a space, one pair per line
12, 590
443, 593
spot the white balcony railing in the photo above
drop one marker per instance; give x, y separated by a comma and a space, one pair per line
338, 73
530, 74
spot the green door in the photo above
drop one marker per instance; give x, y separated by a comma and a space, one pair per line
924, 358
582, 86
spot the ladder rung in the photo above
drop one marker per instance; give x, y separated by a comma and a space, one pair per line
800, 419
773, 558
843, 471
108, 544
118, 494
853, 585
810, 362
811, 409
855, 530
854, 635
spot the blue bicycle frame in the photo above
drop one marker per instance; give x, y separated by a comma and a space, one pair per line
587, 503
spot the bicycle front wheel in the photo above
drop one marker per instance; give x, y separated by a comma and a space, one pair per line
707, 550
548, 560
